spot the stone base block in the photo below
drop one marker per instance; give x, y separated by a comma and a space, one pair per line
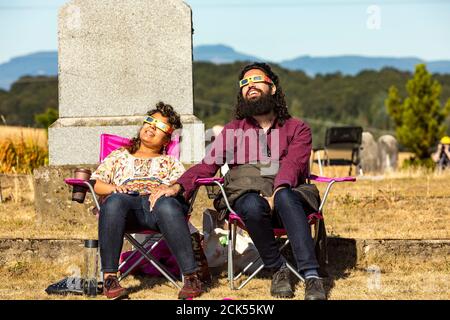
76, 141
53, 198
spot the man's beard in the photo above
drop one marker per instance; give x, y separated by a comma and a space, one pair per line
263, 105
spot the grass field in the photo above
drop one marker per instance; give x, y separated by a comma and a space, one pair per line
19, 133
402, 205
405, 205
22, 149
29, 280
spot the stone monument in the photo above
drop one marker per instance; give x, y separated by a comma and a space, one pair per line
117, 59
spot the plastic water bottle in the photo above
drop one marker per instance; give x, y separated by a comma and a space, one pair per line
91, 267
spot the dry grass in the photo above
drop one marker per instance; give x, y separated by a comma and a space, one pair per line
28, 280
22, 149
402, 205
17, 133
19, 221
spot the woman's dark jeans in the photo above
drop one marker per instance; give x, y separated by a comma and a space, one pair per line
254, 210
122, 213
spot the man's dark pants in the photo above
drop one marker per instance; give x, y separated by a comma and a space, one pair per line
254, 210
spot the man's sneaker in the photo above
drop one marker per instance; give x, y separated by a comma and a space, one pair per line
112, 289
281, 285
314, 289
192, 287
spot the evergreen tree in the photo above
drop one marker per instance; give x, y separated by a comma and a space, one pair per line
419, 118
47, 118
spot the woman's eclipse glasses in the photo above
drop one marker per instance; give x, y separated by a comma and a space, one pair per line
164, 127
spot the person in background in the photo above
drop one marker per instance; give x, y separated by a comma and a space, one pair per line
442, 155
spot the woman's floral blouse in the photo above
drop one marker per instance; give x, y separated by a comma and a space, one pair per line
143, 175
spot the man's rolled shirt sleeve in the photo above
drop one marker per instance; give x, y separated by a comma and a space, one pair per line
208, 167
296, 163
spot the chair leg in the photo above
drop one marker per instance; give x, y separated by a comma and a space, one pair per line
144, 244
246, 268
251, 276
231, 235
100, 275
231, 248
153, 261
295, 272
127, 273
320, 164
260, 268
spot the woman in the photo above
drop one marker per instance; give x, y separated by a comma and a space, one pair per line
145, 170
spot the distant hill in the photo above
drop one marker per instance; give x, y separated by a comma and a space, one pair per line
352, 65
36, 64
46, 63
220, 54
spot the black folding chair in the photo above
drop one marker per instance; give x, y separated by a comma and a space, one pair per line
340, 139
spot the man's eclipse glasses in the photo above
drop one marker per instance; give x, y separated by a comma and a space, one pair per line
254, 79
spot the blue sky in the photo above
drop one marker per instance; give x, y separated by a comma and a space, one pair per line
272, 30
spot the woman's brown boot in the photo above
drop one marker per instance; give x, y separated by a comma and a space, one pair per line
203, 273
192, 287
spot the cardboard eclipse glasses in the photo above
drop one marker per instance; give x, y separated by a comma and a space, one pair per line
258, 78
164, 127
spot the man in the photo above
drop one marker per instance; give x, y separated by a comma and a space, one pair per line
261, 109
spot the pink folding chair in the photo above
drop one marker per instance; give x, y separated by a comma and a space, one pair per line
109, 143
315, 220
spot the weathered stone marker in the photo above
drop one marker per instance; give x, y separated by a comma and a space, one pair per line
117, 59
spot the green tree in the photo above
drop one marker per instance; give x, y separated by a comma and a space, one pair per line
27, 97
47, 118
419, 118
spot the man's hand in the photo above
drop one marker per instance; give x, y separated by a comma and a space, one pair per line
164, 190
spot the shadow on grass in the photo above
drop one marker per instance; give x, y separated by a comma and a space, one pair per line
146, 282
342, 259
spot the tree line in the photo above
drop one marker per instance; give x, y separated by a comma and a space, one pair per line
323, 100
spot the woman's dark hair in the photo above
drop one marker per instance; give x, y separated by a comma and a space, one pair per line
280, 107
166, 111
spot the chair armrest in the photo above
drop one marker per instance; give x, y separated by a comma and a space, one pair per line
76, 182
208, 181
326, 179
86, 184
